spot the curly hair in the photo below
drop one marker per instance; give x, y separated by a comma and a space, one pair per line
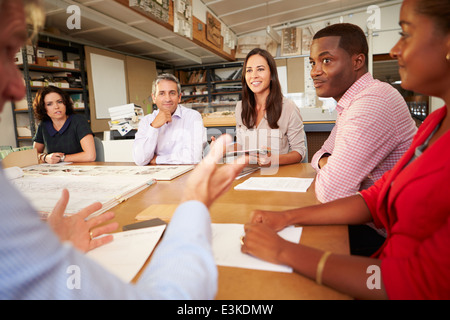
39, 102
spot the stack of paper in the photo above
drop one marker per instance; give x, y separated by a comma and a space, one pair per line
122, 112
226, 245
127, 253
109, 185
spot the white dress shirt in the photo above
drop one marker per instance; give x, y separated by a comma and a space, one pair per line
178, 142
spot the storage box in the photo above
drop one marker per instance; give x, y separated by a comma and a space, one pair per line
41, 61
23, 132
55, 64
37, 83
21, 159
78, 105
68, 65
40, 53
30, 50
21, 105
63, 84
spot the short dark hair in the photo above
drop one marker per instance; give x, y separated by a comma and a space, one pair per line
353, 40
39, 102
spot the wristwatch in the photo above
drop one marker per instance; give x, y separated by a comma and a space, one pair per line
62, 158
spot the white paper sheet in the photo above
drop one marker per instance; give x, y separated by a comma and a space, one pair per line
127, 253
226, 246
13, 173
276, 184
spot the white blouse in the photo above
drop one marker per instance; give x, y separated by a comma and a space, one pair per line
290, 136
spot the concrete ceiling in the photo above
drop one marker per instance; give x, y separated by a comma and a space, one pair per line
111, 25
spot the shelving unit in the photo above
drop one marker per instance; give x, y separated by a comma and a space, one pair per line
211, 88
64, 48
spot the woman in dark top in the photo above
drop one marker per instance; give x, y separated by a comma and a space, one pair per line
63, 135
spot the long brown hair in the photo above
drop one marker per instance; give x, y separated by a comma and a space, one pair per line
274, 100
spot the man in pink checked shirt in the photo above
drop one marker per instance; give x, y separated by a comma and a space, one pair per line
373, 128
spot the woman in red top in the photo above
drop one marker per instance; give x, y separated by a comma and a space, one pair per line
412, 201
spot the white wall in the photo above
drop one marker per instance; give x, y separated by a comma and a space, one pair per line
7, 137
118, 150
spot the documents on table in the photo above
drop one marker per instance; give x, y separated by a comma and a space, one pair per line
110, 185
43, 192
13, 173
276, 184
127, 253
160, 172
129, 250
246, 171
226, 246
237, 153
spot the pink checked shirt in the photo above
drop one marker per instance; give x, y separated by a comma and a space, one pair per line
373, 130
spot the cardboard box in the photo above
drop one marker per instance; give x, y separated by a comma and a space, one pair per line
21, 159
78, 105
41, 61
63, 84
55, 64
23, 132
19, 58
40, 53
30, 50
37, 83
21, 105
68, 65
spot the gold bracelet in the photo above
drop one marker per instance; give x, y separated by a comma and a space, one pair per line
320, 267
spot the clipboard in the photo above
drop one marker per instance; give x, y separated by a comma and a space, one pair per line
144, 224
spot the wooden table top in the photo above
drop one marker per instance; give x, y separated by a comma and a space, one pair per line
235, 206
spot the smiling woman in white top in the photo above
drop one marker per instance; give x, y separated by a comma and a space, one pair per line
264, 118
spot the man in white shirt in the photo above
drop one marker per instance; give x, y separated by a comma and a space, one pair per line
172, 134
36, 264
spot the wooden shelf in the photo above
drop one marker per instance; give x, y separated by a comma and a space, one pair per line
37, 67
64, 89
44, 71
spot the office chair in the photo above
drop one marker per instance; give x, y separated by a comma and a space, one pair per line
99, 150
305, 159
